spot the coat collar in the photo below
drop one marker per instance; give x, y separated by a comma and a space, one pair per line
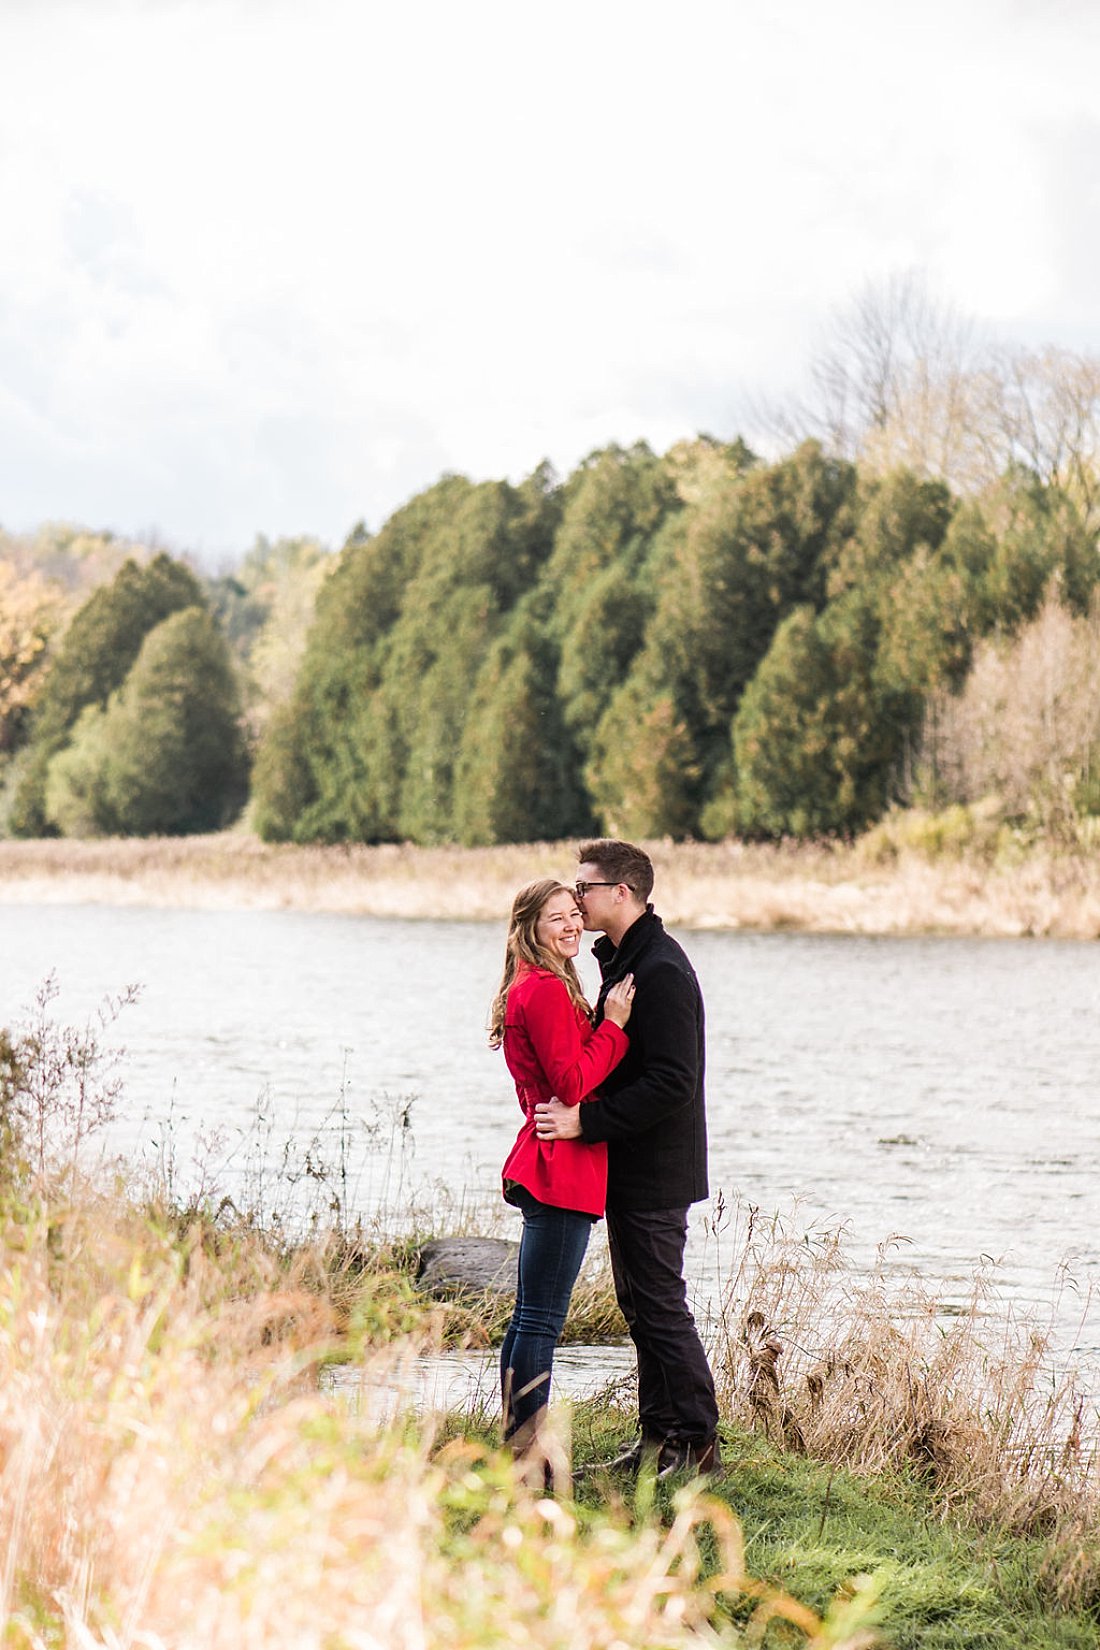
636, 938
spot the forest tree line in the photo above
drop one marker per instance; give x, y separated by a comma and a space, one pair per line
693, 644
689, 645
901, 609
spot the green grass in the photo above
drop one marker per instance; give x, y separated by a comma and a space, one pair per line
944, 1583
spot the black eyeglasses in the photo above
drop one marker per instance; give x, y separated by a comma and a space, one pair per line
581, 888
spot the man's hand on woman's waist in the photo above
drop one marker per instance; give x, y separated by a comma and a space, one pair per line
553, 1121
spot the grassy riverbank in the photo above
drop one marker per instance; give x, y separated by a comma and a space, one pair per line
176, 1474
177, 1471
930, 1581
952, 874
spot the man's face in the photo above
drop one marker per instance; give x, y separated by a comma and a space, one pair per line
597, 903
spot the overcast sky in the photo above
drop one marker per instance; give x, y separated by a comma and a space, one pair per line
274, 267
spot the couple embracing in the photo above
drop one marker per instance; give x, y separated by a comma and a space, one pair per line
614, 1122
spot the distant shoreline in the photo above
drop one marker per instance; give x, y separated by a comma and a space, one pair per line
759, 888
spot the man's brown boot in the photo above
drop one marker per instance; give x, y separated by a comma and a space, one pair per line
678, 1456
629, 1460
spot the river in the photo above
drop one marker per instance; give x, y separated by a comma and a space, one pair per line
942, 1091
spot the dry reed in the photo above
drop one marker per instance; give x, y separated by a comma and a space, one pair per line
887, 885
864, 1370
170, 1476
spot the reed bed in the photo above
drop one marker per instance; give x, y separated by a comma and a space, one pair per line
894, 881
863, 1370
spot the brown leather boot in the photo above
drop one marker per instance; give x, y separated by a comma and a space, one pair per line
678, 1456
629, 1460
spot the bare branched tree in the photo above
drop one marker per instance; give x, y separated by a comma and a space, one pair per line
891, 352
1044, 406
902, 379
887, 369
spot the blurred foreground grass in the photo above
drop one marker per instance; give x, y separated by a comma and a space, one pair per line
175, 1473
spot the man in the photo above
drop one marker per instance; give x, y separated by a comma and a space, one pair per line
651, 1114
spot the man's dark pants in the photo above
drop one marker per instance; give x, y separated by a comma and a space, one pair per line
675, 1386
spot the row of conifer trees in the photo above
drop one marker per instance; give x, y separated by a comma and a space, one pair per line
687, 645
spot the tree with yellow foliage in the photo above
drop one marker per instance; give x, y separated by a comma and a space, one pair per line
31, 609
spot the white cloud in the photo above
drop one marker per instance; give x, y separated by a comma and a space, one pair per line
270, 267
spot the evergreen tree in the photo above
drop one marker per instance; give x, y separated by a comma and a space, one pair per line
612, 505
621, 640
517, 778
784, 739
438, 649
1038, 534
820, 732
643, 772
367, 747
282, 779
597, 576
599, 648
813, 745
167, 754
750, 544
99, 648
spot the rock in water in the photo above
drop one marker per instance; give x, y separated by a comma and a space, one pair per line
468, 1265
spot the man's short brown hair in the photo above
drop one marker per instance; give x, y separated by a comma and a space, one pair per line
620, 862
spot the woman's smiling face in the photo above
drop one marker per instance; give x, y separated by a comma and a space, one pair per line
560, 926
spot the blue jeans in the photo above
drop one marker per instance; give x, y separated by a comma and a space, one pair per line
550, 1254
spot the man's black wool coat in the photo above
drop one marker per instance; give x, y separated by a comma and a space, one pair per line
651, 1109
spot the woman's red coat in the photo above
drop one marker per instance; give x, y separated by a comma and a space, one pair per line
551, 1049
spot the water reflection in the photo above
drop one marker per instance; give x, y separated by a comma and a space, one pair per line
469, 1381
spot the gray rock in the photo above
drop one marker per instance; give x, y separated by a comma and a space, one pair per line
468, 1265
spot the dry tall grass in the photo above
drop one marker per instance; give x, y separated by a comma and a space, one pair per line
172, 1477
894, 886
865, 1371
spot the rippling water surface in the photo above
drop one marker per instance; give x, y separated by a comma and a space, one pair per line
944, 1090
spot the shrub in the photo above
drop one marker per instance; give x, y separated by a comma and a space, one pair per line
1026, 725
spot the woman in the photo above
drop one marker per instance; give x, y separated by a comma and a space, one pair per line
544, 1025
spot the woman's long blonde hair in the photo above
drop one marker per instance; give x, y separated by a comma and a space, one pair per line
523, 947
